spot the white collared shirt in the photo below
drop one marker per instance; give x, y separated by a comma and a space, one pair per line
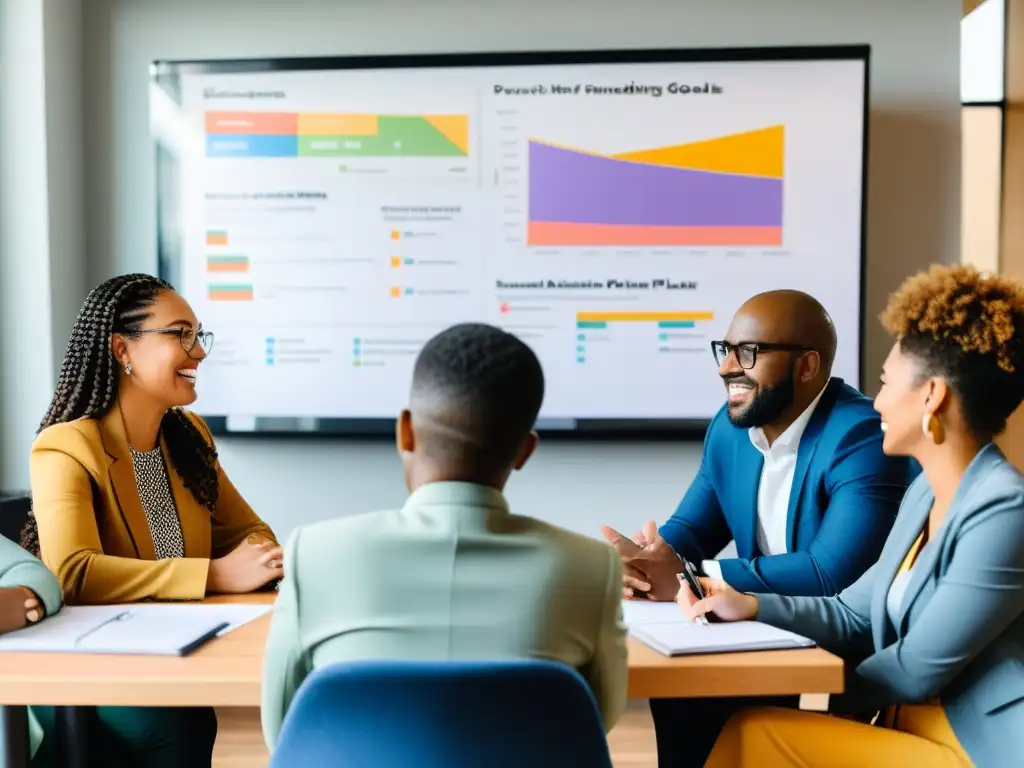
775, 485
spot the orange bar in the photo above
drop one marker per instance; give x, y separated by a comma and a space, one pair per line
323, 124
216, 239
642, 317
227, 266
555, 233
231, 295
251, 123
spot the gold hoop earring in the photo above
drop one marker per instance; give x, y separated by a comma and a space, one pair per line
932, 428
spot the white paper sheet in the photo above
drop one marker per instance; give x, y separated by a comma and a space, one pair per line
165, 629
665, 628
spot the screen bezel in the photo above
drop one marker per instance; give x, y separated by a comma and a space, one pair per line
165, 73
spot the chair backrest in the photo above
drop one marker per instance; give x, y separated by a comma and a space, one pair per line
450, 714
14, 509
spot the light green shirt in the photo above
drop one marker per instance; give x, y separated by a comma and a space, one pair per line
18, 568
451, 575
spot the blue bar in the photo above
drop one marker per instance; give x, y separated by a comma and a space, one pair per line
269, 145
676, 324
590, 324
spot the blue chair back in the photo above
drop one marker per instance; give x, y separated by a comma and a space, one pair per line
451, 714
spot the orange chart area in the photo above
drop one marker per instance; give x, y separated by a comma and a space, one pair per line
725, 191
753, 153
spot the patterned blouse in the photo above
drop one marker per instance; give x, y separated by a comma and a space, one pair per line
158, 502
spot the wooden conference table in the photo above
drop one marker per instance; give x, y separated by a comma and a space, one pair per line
227, 673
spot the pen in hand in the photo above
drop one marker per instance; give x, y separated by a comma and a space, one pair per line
689, 578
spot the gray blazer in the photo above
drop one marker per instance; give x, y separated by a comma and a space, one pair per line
960, 634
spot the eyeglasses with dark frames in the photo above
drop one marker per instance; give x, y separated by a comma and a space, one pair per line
747, 351
188, 337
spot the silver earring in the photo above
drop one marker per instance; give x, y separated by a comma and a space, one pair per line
128, 369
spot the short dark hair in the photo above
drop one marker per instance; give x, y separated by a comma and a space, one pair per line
476, 393
968, 328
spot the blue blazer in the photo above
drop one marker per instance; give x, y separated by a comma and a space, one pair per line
842, 505
959, 631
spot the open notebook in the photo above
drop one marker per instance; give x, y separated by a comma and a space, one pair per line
160, 629
666, 629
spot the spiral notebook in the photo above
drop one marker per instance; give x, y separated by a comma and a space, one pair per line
666, 629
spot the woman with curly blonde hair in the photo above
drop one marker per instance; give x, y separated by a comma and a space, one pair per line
933, 633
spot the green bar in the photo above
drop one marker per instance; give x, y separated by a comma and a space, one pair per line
231, 287
590, 324
404, 136
228, 259
676, 324
216, 233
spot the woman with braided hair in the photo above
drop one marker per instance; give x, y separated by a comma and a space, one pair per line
129, 501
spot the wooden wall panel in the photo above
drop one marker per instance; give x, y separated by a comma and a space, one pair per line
1012, 245
981, 186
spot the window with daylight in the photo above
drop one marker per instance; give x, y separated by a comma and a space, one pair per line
982, 95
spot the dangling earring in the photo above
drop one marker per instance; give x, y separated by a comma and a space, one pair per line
128, 369
932, 428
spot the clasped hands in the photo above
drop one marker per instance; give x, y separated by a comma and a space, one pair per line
651, 569
252, 564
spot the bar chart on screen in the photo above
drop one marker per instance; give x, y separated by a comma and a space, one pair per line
296, 134
662, 333
362, 146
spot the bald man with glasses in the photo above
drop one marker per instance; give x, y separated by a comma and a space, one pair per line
793, 472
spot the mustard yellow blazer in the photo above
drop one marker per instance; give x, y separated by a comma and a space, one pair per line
93, 532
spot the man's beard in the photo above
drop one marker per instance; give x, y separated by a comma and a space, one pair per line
768, 404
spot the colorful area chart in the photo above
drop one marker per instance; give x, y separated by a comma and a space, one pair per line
305, 134
725, 191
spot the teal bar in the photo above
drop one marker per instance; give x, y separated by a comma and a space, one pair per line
591, 325
676, 324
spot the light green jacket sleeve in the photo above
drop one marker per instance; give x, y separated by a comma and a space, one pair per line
607, 674
18, 568
284, 664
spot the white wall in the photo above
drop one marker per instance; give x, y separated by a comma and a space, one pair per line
913, 211
42, 236
24, 265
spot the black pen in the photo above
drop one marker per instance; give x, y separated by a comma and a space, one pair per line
694, 583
